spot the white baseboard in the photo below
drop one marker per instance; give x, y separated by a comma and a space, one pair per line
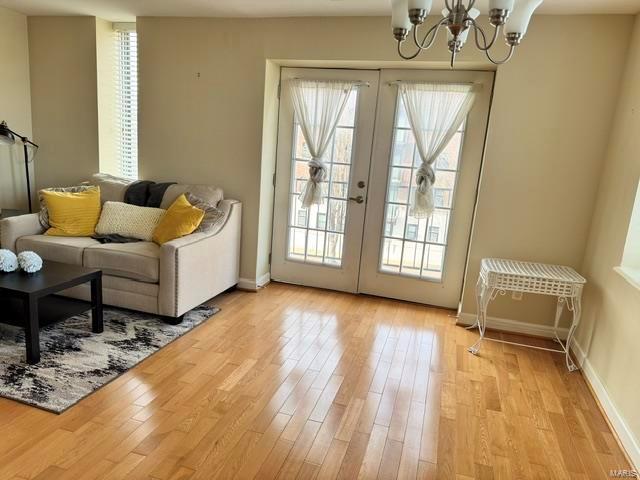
514, 326
264, 279
254, 285
626, 436
247, 284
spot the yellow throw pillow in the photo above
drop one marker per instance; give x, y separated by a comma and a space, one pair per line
72, 214
181, 219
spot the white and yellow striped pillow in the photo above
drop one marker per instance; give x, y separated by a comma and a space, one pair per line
73, 214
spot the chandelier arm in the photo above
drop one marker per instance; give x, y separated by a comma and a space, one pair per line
471, 4
424, 45
407, 57
512, 49
433, 31
446, 4
476, 29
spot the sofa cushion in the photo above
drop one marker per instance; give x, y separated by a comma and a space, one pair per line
130, 221
56, 249
181, 219
73, 214
44, 211
137, 261
213, 216
130, 286
207, 193
112, 188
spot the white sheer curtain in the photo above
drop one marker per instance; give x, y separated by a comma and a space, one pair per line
435, 112
318, 105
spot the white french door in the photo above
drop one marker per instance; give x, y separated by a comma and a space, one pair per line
376, 246
320, 246
421, 260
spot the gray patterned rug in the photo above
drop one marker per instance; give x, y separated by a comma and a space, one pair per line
75, 362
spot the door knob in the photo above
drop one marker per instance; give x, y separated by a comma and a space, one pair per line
361, 184
358, 199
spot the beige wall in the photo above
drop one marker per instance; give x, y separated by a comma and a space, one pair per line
611, 327
15, 106
548, 133
62, 54
203, 86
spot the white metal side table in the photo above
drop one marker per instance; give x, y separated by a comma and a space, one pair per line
498, 276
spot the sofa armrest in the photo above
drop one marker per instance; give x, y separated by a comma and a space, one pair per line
12, 228
197, 267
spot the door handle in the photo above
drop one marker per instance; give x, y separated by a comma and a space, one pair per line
358, 199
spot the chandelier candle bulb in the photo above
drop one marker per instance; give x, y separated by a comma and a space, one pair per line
519, 19
400, 14
418, 10
501, 5
499, 11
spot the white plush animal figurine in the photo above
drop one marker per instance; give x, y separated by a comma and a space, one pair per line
30, 262
8, 261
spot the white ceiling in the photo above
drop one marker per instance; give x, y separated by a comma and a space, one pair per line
127, 10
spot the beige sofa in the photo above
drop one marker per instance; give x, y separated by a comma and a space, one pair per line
167, 280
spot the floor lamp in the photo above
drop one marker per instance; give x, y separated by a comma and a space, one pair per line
8, 137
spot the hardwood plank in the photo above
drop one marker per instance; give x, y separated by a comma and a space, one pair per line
373, 455
349, 420
354, 456
233, 379
323, 439
391, 456
333, 461
295, 460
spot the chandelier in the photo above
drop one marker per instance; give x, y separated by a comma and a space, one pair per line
511, 16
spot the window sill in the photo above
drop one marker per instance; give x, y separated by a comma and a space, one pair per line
631, 275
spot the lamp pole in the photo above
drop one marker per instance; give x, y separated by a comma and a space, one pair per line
26, 169
8, 137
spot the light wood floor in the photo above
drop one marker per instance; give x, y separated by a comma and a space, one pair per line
294, 382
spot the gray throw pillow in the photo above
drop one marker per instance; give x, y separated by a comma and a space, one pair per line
43, 215
210, 194
213, 216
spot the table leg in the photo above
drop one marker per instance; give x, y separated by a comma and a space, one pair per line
32, 329
96, 305
484, 297
576, 307
559, 310
478, 300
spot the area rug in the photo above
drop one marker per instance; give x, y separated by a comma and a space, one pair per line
75, 362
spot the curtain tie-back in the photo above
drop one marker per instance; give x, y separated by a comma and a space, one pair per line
317, 170
424, 176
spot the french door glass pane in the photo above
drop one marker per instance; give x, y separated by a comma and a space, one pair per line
316, 235
410, 246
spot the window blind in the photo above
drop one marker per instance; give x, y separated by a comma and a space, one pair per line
127, 99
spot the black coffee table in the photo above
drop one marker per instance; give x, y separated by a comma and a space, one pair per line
30, 301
